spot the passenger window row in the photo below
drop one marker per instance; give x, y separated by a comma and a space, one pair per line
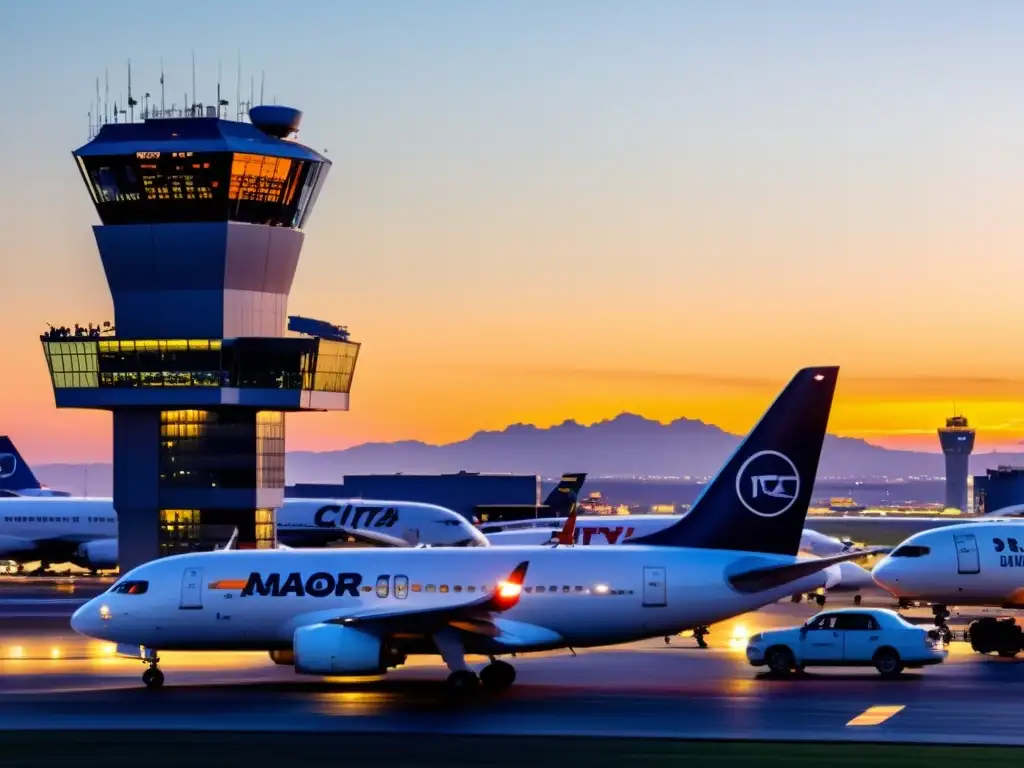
401, 588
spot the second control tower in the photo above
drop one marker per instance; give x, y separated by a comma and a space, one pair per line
202, 227
957, 440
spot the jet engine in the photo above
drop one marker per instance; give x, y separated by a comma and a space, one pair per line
334, 649
97, 555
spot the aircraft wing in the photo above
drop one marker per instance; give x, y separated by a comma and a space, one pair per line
761, 579
472, 616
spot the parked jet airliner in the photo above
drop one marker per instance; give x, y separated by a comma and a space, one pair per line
362, 611
971, 564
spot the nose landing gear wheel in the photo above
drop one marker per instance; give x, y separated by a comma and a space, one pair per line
153, 678
497, 676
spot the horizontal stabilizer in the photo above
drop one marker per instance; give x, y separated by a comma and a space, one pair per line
762, 579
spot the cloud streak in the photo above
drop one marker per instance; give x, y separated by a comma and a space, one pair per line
901, 387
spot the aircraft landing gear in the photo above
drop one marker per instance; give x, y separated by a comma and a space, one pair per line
462, 682
820, 600
153, 678
698, 635
497, 676
941, 613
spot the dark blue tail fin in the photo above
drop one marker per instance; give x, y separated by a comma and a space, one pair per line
559, 502
15, 474
759, 500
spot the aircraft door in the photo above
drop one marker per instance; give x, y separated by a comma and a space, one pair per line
654, 587
192, 589
967, 559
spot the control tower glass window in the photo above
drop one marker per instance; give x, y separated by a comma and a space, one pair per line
158, 187
268, 190
169, 187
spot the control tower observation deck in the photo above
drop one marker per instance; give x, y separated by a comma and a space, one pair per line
957, 440
202, 227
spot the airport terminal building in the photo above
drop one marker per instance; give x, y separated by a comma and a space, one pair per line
201, 231
998, 488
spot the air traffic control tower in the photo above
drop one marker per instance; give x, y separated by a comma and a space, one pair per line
202, 227
957, 440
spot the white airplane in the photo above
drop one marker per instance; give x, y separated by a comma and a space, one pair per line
598, 530
971, 564
83, 531
362, 611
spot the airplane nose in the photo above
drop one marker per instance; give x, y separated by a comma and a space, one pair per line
885, 574
87, 619
78, 620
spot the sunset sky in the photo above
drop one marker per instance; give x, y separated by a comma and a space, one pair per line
557, 209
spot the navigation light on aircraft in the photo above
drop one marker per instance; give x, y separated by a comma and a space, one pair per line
509, 591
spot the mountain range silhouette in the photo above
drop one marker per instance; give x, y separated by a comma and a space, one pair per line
625, 446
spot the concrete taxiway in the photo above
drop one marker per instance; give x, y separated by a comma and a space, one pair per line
51, 678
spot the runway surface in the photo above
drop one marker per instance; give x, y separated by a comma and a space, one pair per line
52, 679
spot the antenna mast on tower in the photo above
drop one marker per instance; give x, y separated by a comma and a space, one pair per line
131, 102
238, 89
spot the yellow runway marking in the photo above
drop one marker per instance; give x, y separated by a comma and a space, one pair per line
876, 715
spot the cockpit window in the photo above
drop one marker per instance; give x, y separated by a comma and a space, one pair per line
130, 587
910, 550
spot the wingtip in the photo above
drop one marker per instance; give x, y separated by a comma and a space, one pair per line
518, 575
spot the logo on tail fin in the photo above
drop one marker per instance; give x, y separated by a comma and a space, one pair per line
768, 483
8, 465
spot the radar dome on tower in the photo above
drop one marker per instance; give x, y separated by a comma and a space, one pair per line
274, 120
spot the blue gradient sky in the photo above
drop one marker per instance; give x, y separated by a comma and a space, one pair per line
550, 210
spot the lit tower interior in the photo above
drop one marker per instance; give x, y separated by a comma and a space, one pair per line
201, 230
957, 440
